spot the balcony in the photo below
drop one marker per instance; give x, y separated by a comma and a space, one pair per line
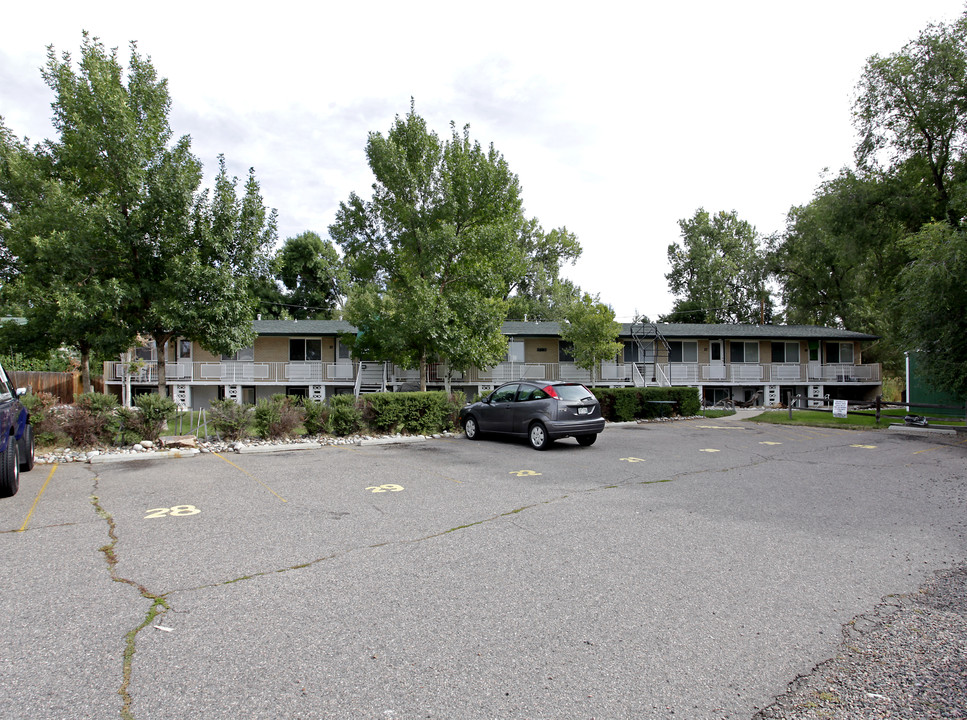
612, 373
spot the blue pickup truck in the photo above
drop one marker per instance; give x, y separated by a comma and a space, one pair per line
16, 437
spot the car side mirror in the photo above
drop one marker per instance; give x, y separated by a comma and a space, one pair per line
21, 392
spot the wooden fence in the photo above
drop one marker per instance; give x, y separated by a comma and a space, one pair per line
64, 386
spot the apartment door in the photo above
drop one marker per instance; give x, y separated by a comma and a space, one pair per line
184, 359
716, 357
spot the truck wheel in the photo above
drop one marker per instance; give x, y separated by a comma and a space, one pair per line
10, 469
27, 449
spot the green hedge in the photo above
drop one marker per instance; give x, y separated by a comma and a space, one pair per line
418, 413
626, 404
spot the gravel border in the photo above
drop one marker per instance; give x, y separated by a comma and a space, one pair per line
906, 659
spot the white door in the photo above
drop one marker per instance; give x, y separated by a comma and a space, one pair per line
184, 359
716, 370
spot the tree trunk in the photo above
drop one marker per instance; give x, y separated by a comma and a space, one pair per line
160, 341
424, 369
85, 368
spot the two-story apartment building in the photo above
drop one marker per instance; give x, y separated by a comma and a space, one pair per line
309, 358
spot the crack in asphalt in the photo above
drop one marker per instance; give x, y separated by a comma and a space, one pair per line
159, 604
159, 600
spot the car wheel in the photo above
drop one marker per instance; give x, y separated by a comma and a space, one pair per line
10, 469
27, 449
586, 440
538, 437
471, 429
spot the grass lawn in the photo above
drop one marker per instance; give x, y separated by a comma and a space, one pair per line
815, 418
716, 413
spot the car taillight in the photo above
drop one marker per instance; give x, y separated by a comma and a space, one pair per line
551, 391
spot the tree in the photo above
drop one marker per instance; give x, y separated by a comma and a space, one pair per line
840, 259
435, 251
112, 209
59, 261
312, 273
198, 281
591, 329
541, 293
933, 305
720, 268
913, 104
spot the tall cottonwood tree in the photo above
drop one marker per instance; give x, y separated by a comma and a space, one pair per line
843, 257
128, 239
718, 270
312, 274
435, 251
913, 104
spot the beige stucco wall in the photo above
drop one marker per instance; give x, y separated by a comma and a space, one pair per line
199, 354
271, 349
540, 350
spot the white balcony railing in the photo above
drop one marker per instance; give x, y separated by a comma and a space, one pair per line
345, 373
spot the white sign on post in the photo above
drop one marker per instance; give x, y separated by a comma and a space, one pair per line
839, 408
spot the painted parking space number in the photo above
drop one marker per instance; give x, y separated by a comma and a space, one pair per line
385, 488
523, 473
176, 511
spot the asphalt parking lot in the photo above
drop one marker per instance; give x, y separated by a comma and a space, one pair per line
689, 569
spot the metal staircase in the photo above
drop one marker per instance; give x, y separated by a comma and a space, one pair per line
370, 377
648, 338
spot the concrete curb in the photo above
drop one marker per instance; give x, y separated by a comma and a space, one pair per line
913, 430
252, 449
393, 440
163, 455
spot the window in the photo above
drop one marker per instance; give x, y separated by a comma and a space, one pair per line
305, 349
532, 393
565, 351
785, 352
344, 352
184, 349
148, 352
743, 352
839, 353
682, 351
515, 352
630, 351
6, 387
243, 355
504, 394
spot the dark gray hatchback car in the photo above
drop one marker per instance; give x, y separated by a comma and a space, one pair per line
540, 411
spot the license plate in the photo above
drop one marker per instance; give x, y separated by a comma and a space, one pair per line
583, 410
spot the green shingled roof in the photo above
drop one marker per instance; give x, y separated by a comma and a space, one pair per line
671, 331
302, 327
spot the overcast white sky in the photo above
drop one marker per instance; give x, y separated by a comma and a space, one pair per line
619, 120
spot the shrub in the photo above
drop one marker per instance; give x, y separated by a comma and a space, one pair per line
230, 419
624, 404
421, 413
42, 416
316, 415
90, 420
83, 427
344, 418
155, 411
277, 417
125, 426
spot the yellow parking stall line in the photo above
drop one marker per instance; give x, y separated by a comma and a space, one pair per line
37, 499
251, 476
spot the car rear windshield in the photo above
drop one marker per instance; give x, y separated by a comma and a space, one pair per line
572, 392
